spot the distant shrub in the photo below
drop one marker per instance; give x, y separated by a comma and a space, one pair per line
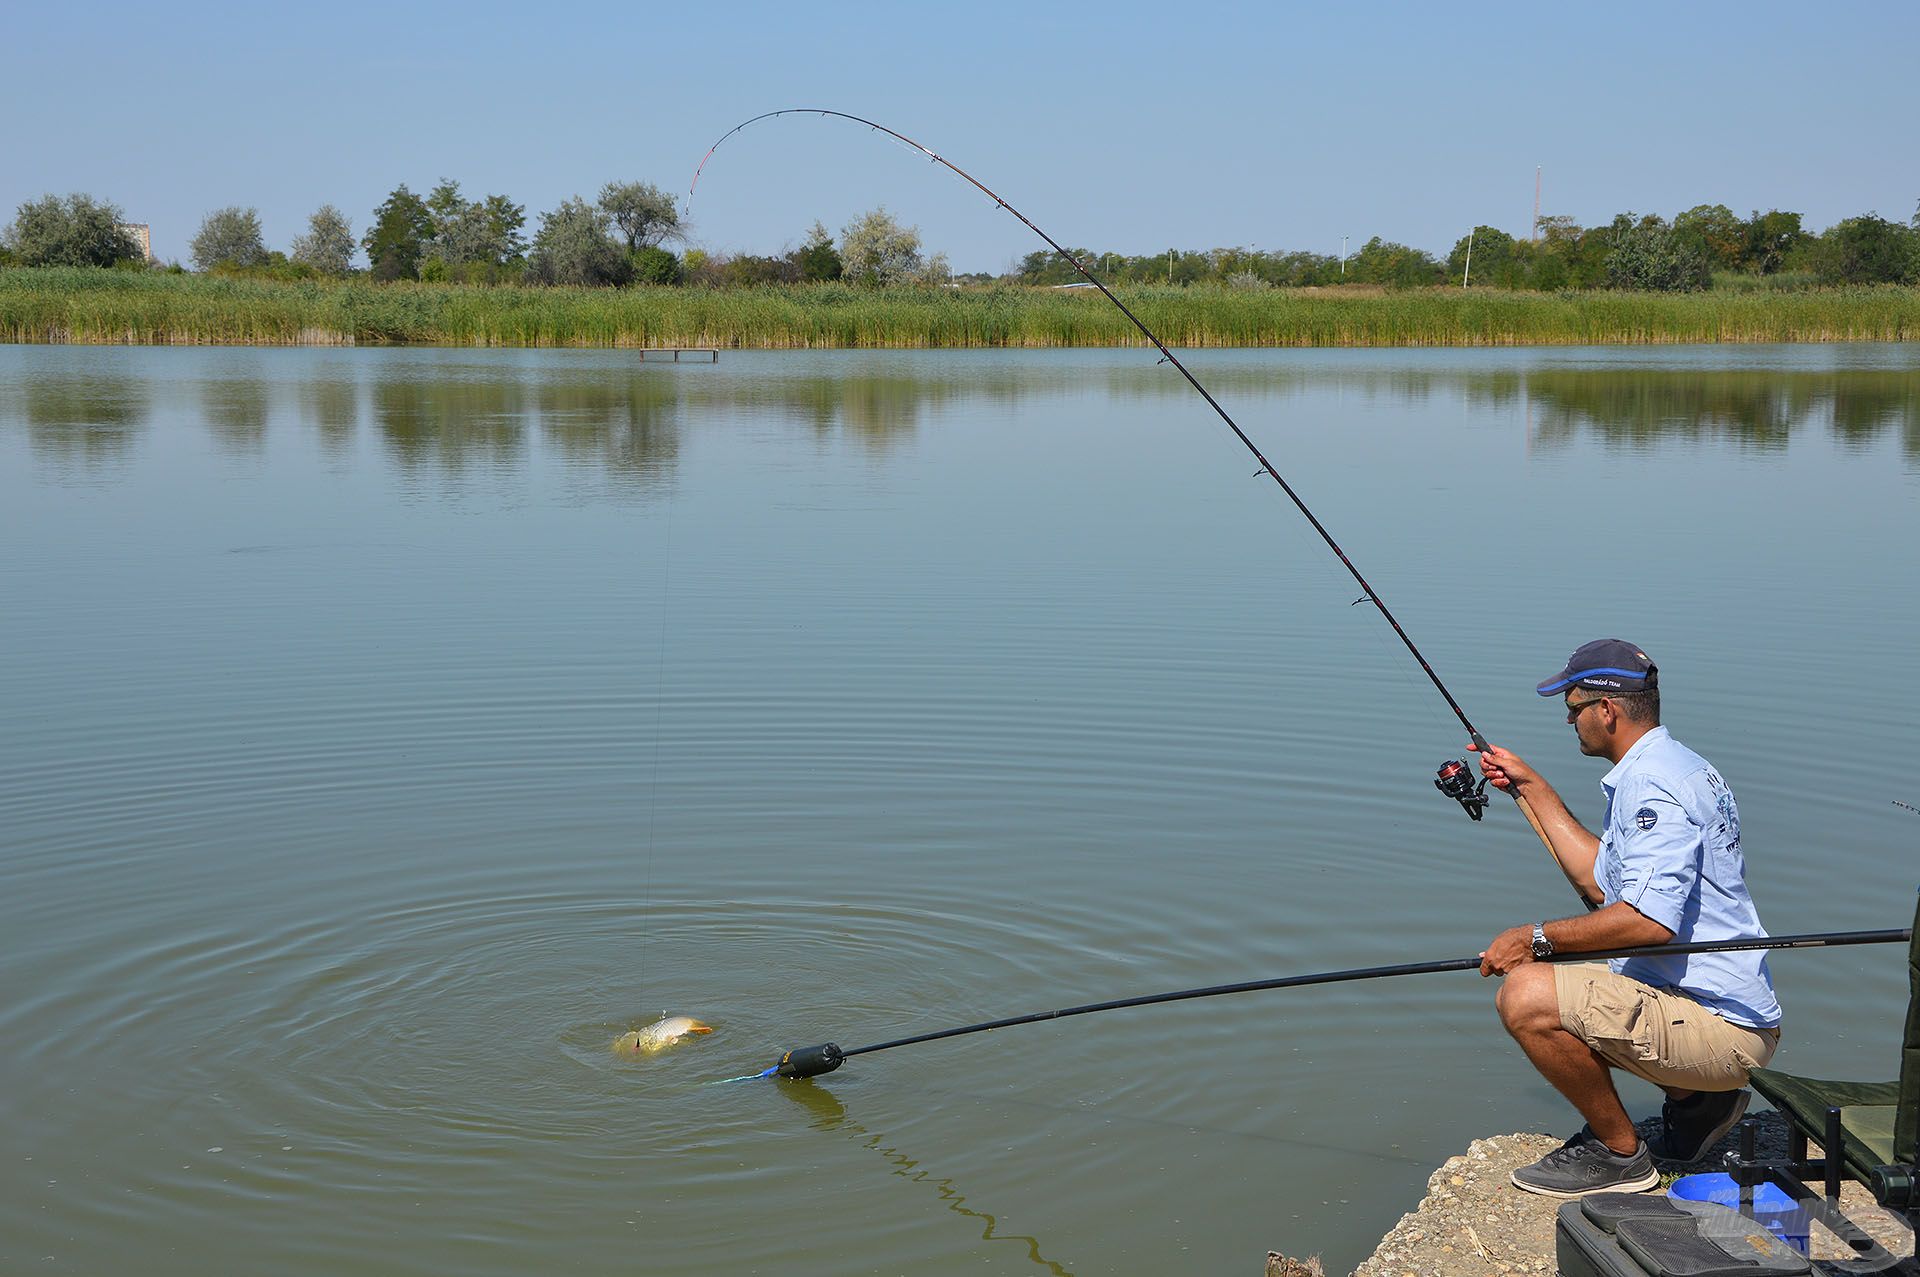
1649, 256
655, 265
1867, 250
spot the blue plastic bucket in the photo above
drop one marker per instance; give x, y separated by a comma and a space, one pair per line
1772, 1205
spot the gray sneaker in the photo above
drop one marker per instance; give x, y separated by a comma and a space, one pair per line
1584, 1165
1689, 1127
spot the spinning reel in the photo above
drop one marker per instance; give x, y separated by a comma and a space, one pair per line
1456, 782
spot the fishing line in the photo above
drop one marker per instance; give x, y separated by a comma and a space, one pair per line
828, 1114
1455, 779
659, 716
814, 1060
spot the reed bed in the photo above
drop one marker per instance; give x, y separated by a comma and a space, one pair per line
118, 307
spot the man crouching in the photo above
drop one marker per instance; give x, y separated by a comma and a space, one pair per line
1666, 867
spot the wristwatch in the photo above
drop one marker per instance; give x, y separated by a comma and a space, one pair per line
1542, 947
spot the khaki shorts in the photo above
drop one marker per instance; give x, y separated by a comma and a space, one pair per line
1665, 1037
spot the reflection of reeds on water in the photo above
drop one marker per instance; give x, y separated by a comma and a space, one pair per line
332, 406
84, 422
452, 419
236, 412
627, 423
1762, 410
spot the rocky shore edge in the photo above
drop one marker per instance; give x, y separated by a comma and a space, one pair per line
1474, 1223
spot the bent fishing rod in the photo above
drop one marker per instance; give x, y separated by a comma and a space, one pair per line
812, 1061
1455, 778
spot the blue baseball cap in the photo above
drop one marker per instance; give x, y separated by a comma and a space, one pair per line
1605, 665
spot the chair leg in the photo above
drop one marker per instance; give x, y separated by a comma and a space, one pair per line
1833, 1155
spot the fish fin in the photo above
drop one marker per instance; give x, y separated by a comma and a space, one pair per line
697, 1027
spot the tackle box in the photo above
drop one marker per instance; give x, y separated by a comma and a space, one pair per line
1643, 1235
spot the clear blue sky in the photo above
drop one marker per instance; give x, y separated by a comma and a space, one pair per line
1115, 126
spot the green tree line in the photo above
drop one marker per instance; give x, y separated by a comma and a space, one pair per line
623, 236
1646, 253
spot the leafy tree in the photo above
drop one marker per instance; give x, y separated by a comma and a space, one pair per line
75, 231
468, 239
1867, 250
747, 270
875, 249
444, 206
328, 244
1044, 266
644, 213
1719, 234
1380, 261
277, 265
1561, 255
402, 228
1295, 270
655, 265
471, 239
1557, 228
1651, 256
1492, 256
228, 237
1587, 257
575, 245
1771, 237
817, 258
505, 222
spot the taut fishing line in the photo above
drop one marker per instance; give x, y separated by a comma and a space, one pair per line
1455, 779
659, 716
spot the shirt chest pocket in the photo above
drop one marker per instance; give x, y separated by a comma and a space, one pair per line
1609, 866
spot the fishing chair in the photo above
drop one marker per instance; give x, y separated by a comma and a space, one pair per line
1868, 1131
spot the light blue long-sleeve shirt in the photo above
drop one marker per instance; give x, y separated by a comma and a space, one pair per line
1671, 849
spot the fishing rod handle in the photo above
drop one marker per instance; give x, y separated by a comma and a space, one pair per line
1815, 940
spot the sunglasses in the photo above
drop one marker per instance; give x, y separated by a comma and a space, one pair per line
1573, 711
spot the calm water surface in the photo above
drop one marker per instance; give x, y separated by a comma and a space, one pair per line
388, 730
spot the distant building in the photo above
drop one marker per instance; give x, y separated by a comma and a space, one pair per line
142, 235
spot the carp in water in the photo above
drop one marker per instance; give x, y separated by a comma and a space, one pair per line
659, 1035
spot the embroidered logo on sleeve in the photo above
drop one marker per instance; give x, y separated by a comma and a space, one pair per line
1646, 818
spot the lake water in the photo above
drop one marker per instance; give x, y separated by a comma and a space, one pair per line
386, 730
